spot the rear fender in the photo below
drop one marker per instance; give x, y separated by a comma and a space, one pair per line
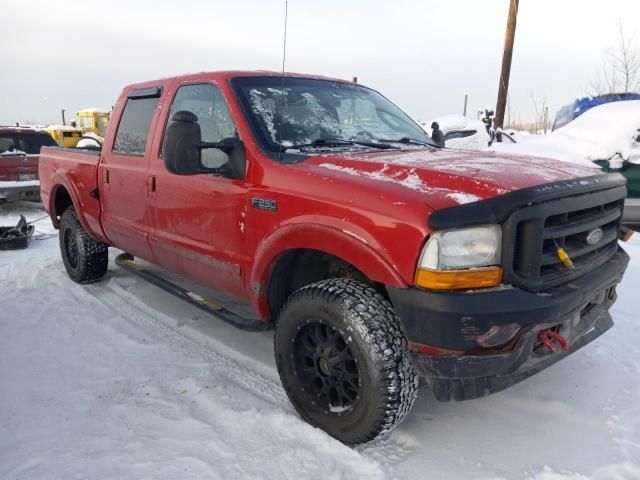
86, 206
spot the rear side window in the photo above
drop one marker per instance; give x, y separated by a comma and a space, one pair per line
133, 130
27, 142
7, 143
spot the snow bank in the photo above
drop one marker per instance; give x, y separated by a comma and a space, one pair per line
598, 134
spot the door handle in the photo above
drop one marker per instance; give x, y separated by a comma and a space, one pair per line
151, 183
106, 176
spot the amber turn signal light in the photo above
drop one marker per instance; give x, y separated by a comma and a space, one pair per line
458, 279
625, 234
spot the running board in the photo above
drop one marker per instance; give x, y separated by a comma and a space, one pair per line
127, 262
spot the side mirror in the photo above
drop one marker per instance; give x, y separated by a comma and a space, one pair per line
183, 146
459, 134
234, 148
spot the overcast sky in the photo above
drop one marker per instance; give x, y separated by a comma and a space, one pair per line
423, 55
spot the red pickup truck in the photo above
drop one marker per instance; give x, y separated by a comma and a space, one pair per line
377, 257
19, 149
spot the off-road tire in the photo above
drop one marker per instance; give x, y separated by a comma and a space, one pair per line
370, 328
89, 263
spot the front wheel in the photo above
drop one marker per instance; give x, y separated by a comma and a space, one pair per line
84, 258
343, 360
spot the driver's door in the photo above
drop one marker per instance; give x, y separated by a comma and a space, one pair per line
199, 220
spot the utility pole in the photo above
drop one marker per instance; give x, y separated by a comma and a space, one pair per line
503, 86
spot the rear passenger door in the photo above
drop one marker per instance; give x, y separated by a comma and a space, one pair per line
123, 171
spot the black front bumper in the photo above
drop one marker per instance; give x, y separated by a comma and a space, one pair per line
454, 321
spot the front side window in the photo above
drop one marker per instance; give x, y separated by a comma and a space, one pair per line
312, 110
208, 104
133, 130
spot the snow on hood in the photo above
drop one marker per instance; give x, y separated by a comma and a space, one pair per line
444, 178
598, 134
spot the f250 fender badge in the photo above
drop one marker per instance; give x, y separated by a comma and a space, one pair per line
264, 204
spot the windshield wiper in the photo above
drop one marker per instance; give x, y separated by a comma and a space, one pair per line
333, 142
408, 141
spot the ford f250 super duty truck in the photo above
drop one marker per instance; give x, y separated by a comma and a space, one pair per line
377, 257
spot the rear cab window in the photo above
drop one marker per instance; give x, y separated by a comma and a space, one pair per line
25, 141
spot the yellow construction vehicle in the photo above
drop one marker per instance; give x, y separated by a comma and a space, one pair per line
94, 120
65, 135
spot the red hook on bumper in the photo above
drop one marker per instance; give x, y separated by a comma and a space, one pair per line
553, 340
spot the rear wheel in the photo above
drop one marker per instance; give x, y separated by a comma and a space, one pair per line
343, 360
84, 258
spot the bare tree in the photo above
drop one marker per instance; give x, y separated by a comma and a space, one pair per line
541, 121
620, 69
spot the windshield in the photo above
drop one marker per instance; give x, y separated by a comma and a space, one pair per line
27, 142
322, 114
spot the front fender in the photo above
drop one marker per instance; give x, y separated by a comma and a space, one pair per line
354, 247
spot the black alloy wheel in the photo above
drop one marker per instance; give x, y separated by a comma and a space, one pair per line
326, 367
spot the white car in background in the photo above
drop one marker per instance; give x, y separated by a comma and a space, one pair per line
460, 132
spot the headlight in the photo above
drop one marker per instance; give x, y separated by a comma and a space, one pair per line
464, 248
455, 258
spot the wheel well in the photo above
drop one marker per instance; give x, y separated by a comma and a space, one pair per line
62, 201
296, 268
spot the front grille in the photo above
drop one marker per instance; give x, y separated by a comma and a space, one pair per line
532, 235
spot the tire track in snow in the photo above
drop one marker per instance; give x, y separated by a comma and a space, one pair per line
237, 369
241, 375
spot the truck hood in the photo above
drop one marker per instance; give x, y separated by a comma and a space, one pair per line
443, 178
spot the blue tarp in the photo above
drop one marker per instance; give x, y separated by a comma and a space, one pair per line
581, 105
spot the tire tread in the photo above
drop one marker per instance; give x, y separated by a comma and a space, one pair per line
94, 255
377, 323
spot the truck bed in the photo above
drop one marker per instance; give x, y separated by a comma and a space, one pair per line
76, 170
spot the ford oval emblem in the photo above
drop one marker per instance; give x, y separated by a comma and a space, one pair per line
595, 236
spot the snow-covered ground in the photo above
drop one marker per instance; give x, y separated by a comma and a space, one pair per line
120, 380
